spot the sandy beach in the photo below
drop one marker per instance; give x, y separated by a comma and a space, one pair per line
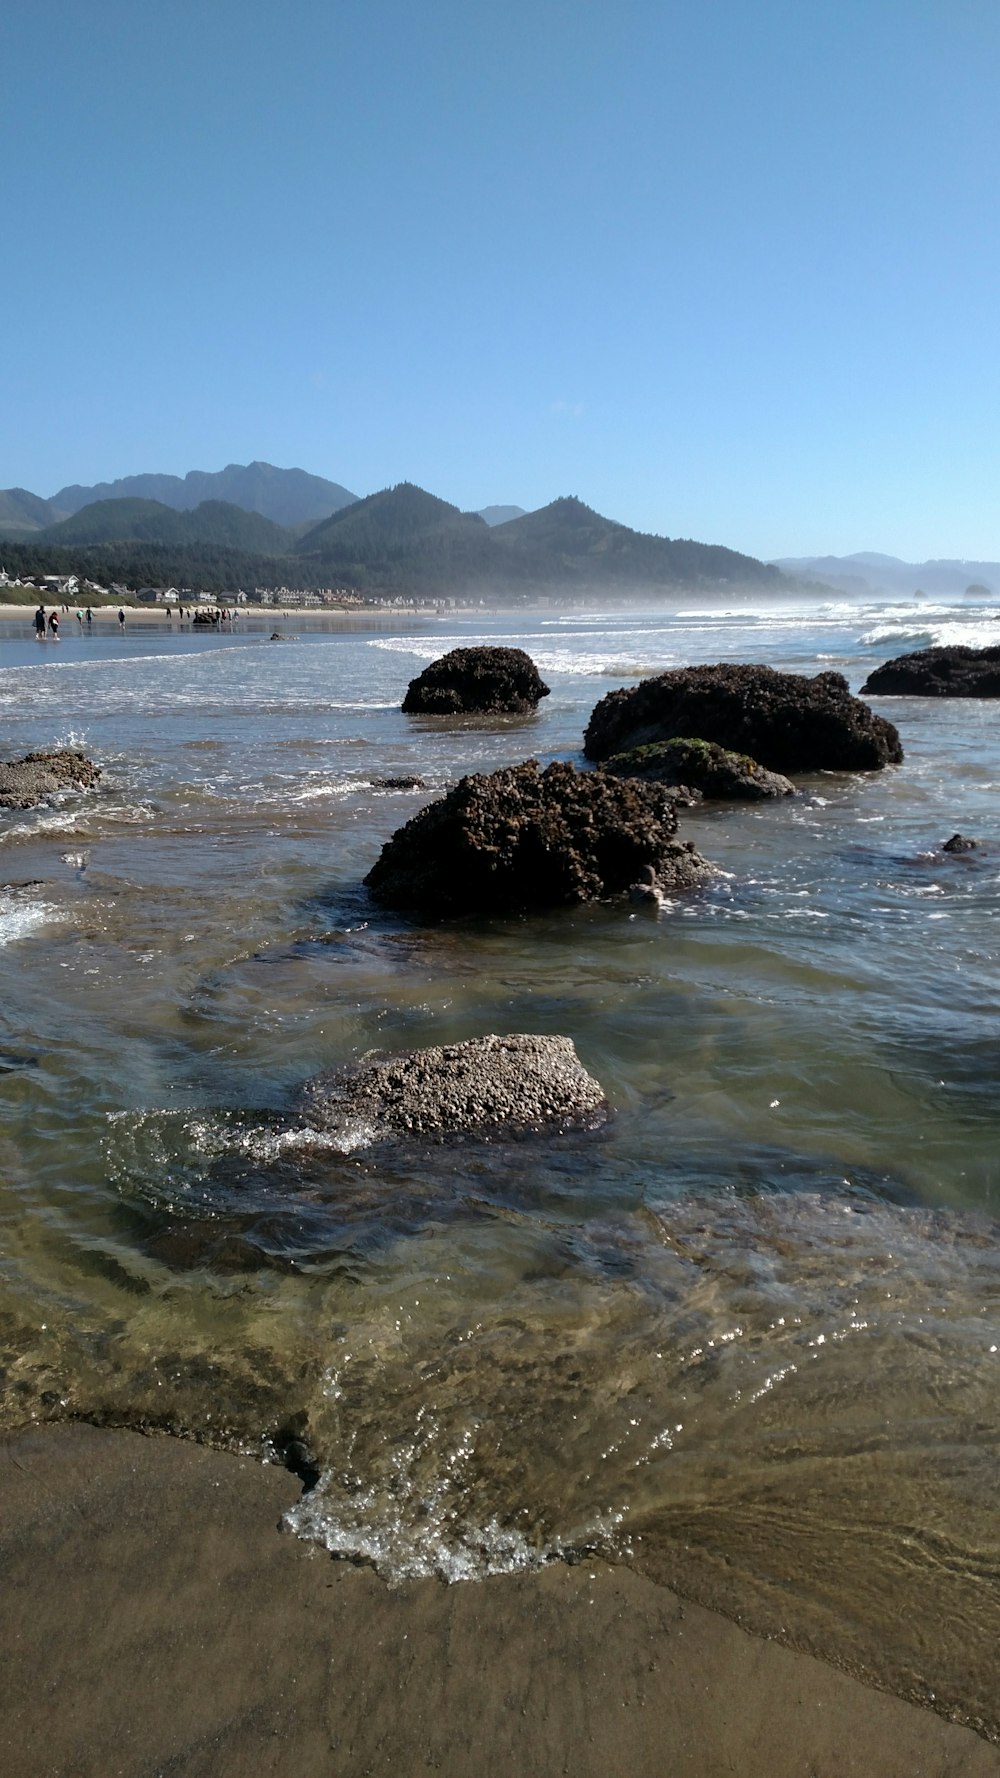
155, 1618
155, 616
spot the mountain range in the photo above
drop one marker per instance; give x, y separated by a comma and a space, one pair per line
869, 575
291, 498
287, 526
401, 541
287, 496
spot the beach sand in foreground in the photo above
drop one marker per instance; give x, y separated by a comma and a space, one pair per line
155, 1619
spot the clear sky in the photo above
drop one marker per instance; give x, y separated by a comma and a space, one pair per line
726, 269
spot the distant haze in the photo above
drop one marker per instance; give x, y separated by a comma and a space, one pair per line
499, 515
868, 574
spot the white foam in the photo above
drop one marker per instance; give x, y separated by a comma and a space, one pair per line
410, 1538
214, 1138
981, 631
18, 919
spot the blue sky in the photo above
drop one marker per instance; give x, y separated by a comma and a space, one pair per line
727, 269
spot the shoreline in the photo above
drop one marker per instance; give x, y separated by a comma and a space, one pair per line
155, 1617
154, 616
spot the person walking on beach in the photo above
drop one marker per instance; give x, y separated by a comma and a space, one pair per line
90, 617
79, 619
121, 617
40, 623
54, 624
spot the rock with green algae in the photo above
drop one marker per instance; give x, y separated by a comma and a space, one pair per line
699, 769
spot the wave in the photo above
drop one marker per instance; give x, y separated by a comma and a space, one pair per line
75, 821
414, 1536
210, 1137
983, 631
19, 917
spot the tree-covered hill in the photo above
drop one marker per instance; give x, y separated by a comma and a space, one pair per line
403, 538
402, 541
203, 567
384, 521
149, 521
568, 540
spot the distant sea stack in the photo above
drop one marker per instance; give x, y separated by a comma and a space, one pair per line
785, 721
958, 672
477, 681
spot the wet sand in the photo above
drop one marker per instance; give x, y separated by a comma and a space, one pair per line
155, 616
155, 1619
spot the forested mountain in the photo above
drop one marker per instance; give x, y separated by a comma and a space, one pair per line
287, 496
393, 517
404, 536
149, 521
568, 540
401, 538
402, 541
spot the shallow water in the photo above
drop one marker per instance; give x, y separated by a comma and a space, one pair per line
746, 1336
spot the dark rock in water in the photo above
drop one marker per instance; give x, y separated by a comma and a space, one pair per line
522, 838
485, 681
785, 721
959, 843
702, 767
397, 783
276, 636
510, 1083
958, 672
36, 777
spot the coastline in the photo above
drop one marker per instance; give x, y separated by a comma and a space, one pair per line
154, 616
155, 1617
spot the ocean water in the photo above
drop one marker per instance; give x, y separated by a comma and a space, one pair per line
745, 1338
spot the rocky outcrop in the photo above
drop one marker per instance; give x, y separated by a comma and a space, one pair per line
960, 842
477, 681
785, 721
958, 672
523, 838
697, 769
513, 1083
36, 777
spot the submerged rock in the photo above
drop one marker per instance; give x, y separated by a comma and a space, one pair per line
960, 843
522, 838
486, 681
509, 1083
701, 767
36, 777
958, 672
785, 721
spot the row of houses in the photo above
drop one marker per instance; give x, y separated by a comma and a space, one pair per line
63, 587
